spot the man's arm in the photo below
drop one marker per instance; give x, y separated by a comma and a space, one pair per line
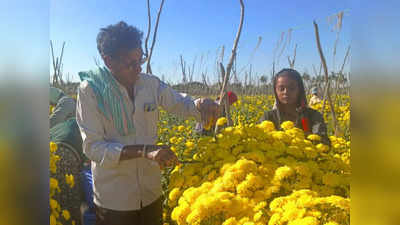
177, 103
203, 110
108, 153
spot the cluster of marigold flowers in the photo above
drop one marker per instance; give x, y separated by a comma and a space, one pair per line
342, 112
257, 175
249, 109
57, 214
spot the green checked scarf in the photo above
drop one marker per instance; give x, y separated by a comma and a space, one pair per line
109, 99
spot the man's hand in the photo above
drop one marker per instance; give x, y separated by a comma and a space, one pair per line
163, 156
209, 110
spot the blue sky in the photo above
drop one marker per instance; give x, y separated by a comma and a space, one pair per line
198, 28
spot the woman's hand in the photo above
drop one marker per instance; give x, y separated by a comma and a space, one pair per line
209, 110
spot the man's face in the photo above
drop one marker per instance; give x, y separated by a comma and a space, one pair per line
127, 66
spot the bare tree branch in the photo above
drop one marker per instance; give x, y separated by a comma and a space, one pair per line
148, 28
229, 66
321, 54
291, 62
148, 70
183, 69
345, 59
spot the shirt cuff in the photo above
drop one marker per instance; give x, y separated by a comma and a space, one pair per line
112, 154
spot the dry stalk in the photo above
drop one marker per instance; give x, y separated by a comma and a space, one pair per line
292, 61
286, 43
321, 54
57, 62
229, 66
183, 69
148, 69
342, 68
148, 29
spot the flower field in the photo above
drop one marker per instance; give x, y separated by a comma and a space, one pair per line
249, 173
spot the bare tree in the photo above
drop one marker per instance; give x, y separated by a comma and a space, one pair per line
148, 68
340, 74
337, 27
286, 43
292, 61
57, 64
222, 96
183, 69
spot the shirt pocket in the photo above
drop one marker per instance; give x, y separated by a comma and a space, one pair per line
150, 112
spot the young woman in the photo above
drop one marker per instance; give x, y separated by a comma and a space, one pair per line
291, 104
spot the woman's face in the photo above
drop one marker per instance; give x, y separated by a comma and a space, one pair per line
287, 90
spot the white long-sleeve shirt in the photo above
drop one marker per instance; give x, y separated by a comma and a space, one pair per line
122, 185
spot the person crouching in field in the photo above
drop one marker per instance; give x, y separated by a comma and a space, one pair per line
315, 98
291, 105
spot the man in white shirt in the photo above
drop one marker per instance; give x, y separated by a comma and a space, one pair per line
117, 113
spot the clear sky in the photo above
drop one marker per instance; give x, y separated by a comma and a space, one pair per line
197, 29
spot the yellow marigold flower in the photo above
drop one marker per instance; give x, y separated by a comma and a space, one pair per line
267, 125
53, 220
54, 187
69, 179
248, 223
54, 205
73, 222
260, 205
222, 121
275, 219
181, 128
308, 220
194, 217
322, 147
189, 144
283, 172
174, 194
314, 137
173, 140
53, 147
66, 214
280, 135
257, 216
286, 125
230, 221
244, 220
331, 223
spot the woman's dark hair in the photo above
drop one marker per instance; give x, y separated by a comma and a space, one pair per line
293, 74
119, 37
